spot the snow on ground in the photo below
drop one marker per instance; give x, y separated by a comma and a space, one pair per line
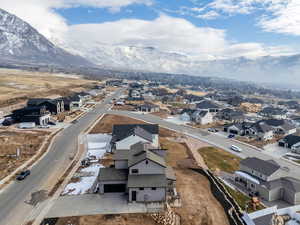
98, 154
97, 146
175, 120
80, 187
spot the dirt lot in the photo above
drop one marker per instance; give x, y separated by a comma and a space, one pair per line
198, 204
162, 113
17, 86
124, 107
28, 142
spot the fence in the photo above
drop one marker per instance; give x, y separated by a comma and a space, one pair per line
232, 209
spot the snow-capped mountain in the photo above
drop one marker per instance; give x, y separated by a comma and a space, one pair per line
21, 43
263, 69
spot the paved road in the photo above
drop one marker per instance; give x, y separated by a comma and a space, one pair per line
13, 208
213, 139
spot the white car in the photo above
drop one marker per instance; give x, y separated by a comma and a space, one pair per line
235, 148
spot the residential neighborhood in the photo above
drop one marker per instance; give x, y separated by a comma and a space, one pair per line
130, 164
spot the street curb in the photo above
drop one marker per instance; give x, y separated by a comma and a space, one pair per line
37, 157
59, 190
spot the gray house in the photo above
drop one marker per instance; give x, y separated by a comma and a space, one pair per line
140, 172
268, 180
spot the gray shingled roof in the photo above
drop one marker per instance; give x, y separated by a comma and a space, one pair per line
141, 155
265, 167
112, 174
147, 181
121, 131
207, 105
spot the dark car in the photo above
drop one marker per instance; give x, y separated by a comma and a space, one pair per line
23, 175
231, 136
75, 121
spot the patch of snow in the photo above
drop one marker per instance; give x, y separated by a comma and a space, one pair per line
81, 187
176, 120
97, 153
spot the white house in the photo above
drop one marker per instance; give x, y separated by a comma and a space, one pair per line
137, 133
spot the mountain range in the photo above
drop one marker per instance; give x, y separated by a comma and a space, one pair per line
21, 43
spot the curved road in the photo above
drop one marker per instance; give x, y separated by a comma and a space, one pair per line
13, 209
213, 139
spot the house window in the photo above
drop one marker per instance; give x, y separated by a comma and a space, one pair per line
153, 189
147, 162
134, 171
141, 189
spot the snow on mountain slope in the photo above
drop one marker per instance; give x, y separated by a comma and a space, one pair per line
264, 69
20, 42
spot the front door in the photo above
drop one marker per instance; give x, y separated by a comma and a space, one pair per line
133, 196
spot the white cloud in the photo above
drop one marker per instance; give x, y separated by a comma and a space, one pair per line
209, 15
280, 16
165, 33
183, 37
41, 15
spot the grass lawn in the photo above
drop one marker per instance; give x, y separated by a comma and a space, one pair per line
217, 159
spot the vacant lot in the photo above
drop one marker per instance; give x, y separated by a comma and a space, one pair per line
17, 86
28, 142
219, 160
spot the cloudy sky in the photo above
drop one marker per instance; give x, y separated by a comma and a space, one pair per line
203, 28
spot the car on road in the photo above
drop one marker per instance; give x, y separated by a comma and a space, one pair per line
75, 121
231, 136
23, 175
235, 148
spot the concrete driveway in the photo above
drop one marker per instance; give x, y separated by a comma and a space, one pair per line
275, 150
93, 204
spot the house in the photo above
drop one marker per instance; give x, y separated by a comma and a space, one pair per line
237, 128
38, 114
114, 83
73, 102
140, 172
208, 106
230, 115
266, 129
235, 100
202, 117
292, 142
193, 98
267, 180
134, 101
124, 136
148, 107
54, 106
275, 113
186, 114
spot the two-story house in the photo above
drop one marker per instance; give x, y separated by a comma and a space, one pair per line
124, 136
141, 172
268, 180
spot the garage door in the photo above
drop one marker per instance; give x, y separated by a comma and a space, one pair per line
114, 188
233, 131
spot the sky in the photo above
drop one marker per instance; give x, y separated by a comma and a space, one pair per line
208, 29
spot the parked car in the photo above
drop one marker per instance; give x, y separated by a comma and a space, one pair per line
23, 175
235, 148
44, 127
214, 130
231, 136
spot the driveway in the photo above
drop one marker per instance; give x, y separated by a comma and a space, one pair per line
93, 204
275, 150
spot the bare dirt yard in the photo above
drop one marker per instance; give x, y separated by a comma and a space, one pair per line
199, 207
17, 86
28, 142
